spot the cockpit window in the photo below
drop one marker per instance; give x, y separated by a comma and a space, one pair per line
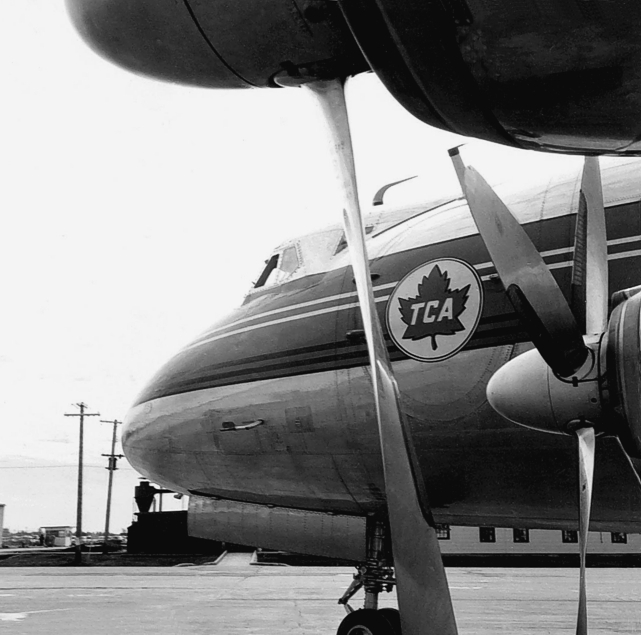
279, 268
267, 271
289, 261
342, 243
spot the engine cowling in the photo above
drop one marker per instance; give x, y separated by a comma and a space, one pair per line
561, 76
624, 370
606, 392
220, 43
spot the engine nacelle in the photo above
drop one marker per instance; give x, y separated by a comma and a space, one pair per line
562, 76
220, 43
624, 370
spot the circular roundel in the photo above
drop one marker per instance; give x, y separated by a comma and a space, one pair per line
435, 309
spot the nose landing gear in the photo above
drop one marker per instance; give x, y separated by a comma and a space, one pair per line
374, 576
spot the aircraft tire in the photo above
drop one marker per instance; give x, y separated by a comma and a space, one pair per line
367, 622
394, 618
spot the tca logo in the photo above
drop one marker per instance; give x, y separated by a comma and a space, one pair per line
434, 310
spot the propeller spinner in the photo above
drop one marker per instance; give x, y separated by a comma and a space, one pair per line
579, 380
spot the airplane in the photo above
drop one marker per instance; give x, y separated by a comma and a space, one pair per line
350, 438
267, 421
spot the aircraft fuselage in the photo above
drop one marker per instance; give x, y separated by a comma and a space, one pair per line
273, 405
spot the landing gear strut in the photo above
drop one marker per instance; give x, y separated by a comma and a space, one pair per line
374, 576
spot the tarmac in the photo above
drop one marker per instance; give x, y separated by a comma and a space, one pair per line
234, 597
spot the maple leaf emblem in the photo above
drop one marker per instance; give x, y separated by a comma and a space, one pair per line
435, 310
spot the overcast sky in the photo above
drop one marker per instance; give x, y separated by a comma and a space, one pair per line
134, 214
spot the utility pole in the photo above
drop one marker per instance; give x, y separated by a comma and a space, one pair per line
82, 414
112, 467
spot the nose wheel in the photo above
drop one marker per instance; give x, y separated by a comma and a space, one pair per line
374, 576
371, 622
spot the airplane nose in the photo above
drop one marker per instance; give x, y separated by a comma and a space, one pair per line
138, 440
153, 446
160, 437
157, 38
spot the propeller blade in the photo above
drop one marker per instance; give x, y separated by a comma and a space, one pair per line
586, 440
590, 269
529, 284
422, 589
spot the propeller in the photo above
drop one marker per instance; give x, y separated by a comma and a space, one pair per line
590, 270
586, 442
551, 324
528, 282
423, 593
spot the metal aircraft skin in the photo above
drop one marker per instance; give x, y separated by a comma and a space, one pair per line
273, 405
559, 75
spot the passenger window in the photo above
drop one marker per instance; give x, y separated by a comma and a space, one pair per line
279, 268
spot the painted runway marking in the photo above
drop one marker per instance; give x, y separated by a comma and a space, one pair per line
12, 617
16, 617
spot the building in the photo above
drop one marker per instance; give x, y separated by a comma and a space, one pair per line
1, 523
485, 542
56, 536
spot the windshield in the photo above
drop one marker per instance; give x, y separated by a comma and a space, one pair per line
279, 268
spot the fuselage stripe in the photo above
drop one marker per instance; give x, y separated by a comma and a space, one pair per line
305, 361
222, 332
287, 309
624, 254
624, 241
489, 327
545, 254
